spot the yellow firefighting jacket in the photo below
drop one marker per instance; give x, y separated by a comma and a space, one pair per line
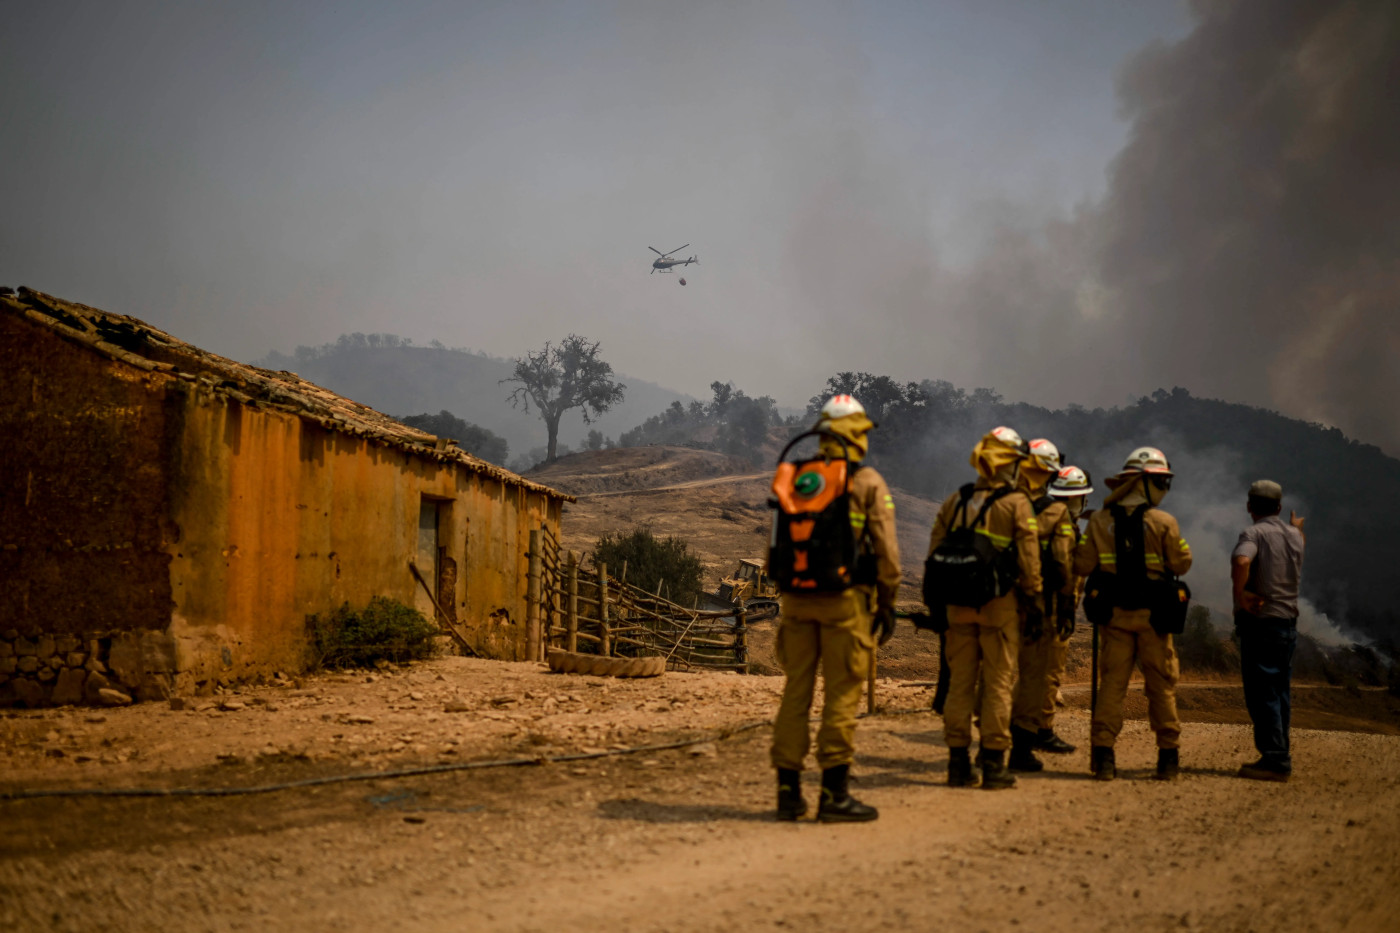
872, 513
1164, 549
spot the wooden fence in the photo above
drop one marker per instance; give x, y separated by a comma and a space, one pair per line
586, 610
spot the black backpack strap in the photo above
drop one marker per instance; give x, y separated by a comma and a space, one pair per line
1130, 543
851, 466
1043, 503
964, 496
986, 504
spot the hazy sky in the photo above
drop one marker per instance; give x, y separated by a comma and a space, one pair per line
253, 176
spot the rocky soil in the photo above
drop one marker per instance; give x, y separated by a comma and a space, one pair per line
674, 839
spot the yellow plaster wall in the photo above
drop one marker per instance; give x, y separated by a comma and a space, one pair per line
280, 518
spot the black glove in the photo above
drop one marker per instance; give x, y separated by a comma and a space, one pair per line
1064, 616
883, 626
1035, 619
935, 620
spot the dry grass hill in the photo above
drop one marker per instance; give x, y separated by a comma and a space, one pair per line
717, 503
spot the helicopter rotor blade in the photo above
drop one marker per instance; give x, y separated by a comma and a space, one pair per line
678, 249
656, 251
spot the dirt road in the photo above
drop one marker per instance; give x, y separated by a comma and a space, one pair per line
691, 484
667, 840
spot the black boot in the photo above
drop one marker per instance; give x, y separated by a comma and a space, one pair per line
1168, 764
838, 806
960, 773
1102, 764
1047, 741
1022, 756
791, 806
995, 774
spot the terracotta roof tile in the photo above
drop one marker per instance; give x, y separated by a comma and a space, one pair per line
139, 344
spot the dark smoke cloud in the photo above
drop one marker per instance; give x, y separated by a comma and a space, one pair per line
1248, 246
1253, 222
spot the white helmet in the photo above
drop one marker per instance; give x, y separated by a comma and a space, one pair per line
1045, 455
1070, 482
839, 406
1009, 437
1147, 460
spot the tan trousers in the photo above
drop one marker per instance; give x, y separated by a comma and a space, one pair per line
1054, 676
982, 646
833, 632
1032, 667
1129, 638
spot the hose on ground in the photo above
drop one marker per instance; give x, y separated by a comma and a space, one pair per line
718, 736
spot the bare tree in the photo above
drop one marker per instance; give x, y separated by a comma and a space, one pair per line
562, 377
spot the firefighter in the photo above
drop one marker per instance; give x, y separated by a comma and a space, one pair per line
985, 521
1057, 538
1072, 487
1133, 545
836, 631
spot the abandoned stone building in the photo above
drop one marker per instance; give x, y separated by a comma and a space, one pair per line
169, 518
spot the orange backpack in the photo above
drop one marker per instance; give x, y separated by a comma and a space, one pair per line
813, 548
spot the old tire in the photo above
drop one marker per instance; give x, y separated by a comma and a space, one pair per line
567, 662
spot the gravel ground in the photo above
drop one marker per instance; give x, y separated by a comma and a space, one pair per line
669, 840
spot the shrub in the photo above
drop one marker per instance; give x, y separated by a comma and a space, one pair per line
384, 630
650, 561
1202, 647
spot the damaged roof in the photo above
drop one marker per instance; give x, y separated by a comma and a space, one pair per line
138, 344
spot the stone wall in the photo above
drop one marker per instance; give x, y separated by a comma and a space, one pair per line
39, 669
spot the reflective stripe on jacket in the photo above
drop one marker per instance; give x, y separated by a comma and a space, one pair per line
1163, 545
872, 512
1010, 522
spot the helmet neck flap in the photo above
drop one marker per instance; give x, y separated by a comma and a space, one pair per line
853, 428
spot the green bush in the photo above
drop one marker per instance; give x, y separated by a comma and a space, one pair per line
385, 630
652, 561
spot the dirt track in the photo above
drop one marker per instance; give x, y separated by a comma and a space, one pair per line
672, 840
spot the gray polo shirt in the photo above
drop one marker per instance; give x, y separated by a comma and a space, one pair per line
1276, 549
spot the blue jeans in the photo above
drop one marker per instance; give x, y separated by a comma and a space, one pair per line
1266, 665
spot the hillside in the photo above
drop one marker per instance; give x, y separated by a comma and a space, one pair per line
718, 504
1347, 490
409, 380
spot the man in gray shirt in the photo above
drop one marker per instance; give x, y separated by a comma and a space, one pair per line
1265, 569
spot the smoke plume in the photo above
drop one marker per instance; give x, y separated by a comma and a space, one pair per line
1252, 241
1248, 245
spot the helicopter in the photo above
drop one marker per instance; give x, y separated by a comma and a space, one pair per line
665, 262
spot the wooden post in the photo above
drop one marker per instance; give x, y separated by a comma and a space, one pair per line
604, 633
533, 647
870, 682
741, 638
572, 621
